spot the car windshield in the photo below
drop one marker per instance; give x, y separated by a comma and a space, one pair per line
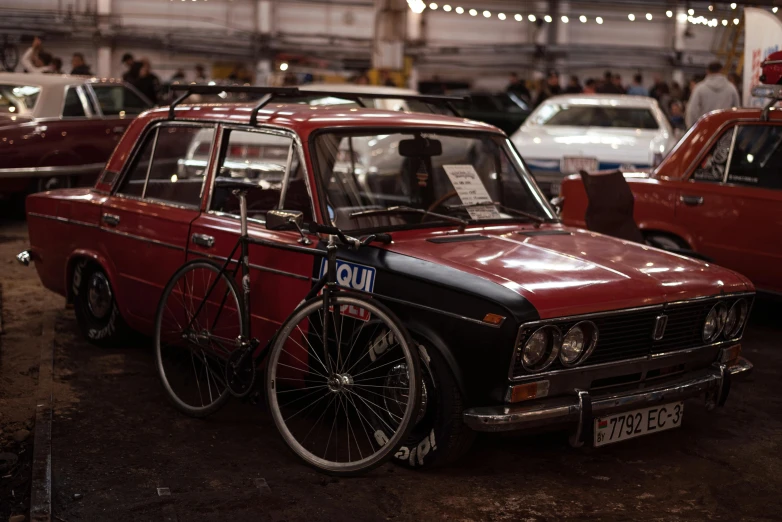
583, 115
403, 179
18, 99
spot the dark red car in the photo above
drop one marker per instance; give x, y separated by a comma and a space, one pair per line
57, 130
772, 69
522, 322
718, 193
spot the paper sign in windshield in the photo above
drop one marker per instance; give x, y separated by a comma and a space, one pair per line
471, 191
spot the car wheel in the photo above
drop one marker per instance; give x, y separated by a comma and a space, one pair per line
46, 184
96, 309
440, 436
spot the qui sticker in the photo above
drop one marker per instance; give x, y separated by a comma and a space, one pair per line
356, 277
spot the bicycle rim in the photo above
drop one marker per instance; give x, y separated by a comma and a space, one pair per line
343, 403
194, 335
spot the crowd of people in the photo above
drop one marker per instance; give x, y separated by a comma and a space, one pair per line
683, 106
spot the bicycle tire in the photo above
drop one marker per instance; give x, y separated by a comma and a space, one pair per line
384, 450
231, 286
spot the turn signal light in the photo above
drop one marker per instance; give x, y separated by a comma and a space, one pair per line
493, 319
525, 392
730, 354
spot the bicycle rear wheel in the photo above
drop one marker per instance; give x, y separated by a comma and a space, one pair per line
196, 330
343, 402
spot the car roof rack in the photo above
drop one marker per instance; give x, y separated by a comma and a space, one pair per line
774, 92
270, 94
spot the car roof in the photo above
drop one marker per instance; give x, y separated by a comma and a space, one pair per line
356, 89
303, 119
615, 100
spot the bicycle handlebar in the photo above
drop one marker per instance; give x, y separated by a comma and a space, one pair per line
348, 240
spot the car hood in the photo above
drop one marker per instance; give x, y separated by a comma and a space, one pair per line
608, 145
563, 271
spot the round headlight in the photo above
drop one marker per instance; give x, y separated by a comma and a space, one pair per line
578, 343
541, 348
715, 322
735, 319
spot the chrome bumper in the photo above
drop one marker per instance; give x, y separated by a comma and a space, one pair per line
24, 257
579, 409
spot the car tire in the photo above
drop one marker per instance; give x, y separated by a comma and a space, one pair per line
97, 313
440, 436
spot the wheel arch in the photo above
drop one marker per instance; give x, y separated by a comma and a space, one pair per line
423, 332
682, 234
96, 258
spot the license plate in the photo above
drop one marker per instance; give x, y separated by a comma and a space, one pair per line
631, 424
573, 164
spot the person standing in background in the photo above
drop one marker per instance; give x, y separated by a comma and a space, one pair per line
637, 88
33, 58
552, 80
144, 80
200, 74
713, 93
590, 86
56, 66
518, 87
128, 62
79, 67
573, 86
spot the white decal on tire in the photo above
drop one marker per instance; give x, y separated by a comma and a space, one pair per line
381, 344
431, 440
403, 453
381, 437
107, 330
77, 277
424, 447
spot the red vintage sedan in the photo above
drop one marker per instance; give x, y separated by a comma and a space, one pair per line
58, 129
718, 193
521, 322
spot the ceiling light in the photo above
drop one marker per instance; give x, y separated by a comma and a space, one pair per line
631, 16
548, 19
283, 66
459, 10
583, 19
518, 18
433, 6
690, 12
473, 12
733, 5
649, 16
447, 8
501, 16
669, 14
682, 17
774, 9
531, 18
416, 6
599, 20
724, 22
487, 14
735, 21
565, 19
711, 8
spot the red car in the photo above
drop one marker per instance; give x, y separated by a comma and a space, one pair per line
56, 130
522, 322
772, 69
718, 193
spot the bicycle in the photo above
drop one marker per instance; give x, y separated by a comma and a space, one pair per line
343, 388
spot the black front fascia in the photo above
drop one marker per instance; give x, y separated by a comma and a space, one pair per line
479, 353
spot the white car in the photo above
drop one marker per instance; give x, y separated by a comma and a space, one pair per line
567, 134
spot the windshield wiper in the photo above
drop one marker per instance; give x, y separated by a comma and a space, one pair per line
408, 210
520, 213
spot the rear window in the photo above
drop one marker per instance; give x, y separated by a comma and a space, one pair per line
18, 99
578, 115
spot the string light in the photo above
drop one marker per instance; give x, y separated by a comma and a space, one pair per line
416, 6
459, 10
690, 12
724, 23
599, 20
711, 8
283, 66
735, 21
433, 6
669, 14
774, 9
733, 5
631, 16
447, 8
548, 19
682, 17
649, 16
565, 19
487, 14
583, 19
473, 12
518, 18
531, 18
501, 16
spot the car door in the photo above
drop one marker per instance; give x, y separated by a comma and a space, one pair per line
732, 204
279, 279
117, 104
146, 221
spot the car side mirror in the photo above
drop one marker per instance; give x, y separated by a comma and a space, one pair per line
287, 220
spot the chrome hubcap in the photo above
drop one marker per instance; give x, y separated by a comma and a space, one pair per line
396, 382
99, 296
339, 382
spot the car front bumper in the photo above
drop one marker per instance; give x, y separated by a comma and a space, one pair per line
579, 410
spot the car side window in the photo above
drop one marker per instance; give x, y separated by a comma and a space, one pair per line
164, 170
711, 169
261, 159
118, 100
72, 106
757, 157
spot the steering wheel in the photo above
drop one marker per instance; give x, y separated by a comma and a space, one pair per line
442, 199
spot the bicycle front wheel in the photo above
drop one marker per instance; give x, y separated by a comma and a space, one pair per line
198, 323
343, 384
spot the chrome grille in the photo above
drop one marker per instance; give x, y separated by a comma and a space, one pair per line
629, 334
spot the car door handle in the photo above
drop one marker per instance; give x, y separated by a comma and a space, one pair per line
111, 219
118, 129
203, 240
692, 201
